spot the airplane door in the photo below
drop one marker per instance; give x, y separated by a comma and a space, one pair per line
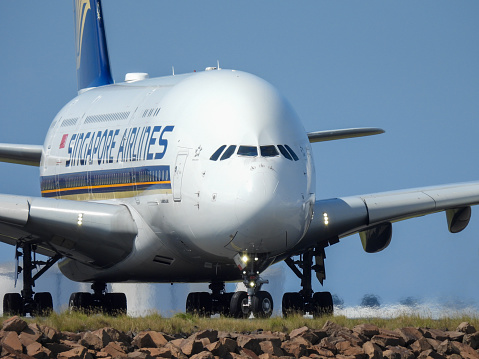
178, 175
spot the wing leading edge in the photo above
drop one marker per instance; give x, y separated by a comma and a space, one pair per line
30, 155
96, 234
373, 213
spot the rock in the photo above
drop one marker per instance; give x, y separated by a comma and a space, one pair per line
27, 338
464, 350
273, 338
12, 343
79, 352
290, 347
434, 343
191, 347
472, 340
149, 339
466, 328
248, 354
435, 334
306, 333
49, 334
455, 336
430, 354
57, 348
356, 339
385, 341
345, 348
368, 330
420, 346
321, 352
409, 334
398, 352
203, 355
139, 355
91, 341
115, 350
249, 342
14, 324
330, 327
269, 348
212, 335
74, 337
217, 349
229, 343
445, 347
327, 343
373, 351
36, 350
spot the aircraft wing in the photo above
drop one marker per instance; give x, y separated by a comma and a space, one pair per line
371, 215
96, 234
330, 135
21, 154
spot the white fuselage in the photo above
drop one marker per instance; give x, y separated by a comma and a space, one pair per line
149, 145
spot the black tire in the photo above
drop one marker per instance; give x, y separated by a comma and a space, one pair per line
224, 306
199, 303
12, 304
81, 302
322, 304
238, 309
204, 304
262, 304
191, 300
43, 304
115, 304
292, 304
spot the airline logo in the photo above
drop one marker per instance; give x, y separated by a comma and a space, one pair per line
64, 140
113, 146
82, 7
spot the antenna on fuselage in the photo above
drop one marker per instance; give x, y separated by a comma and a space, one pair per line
173, 70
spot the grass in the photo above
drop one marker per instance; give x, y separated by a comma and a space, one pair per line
182, 323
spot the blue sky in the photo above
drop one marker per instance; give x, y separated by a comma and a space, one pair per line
409, 67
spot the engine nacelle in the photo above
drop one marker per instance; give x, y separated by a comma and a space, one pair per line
376, 238
458, 219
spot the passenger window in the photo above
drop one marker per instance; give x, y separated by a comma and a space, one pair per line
269, 151
292, 152
284, 152
217, 154
251, 151
228, 153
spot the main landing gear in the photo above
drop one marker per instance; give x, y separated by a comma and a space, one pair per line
100, 301
29, 302
317, 304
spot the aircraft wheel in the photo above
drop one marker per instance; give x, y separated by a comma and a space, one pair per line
262, 305
115, 304
292, 304
224, 305
44, 304
199, 303
322, 304
80, 302
12, 304
239, 305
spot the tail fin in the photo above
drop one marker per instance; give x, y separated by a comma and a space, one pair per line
93, 64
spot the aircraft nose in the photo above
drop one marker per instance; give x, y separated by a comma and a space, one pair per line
270, 213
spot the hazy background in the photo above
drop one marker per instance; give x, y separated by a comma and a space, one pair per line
409, 67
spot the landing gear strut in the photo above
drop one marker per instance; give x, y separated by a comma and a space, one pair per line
29, 302
239, 304
317, 304
100, 301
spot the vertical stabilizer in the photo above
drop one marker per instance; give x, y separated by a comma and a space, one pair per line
93, 65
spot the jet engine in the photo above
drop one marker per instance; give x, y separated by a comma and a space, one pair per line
376, 238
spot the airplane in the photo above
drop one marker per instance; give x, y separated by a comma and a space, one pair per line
139, 184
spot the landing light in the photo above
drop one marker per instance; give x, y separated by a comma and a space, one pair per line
252, 284
245, 258
325, 218
80, 219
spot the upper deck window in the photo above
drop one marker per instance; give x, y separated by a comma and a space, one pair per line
228, 153
292, 152
269, 151
250, 151
217, 153
284, 152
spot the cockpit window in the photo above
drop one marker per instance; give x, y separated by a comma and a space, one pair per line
269, 151
251, 151
284, 152
228, 153
292, 152
217, 154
